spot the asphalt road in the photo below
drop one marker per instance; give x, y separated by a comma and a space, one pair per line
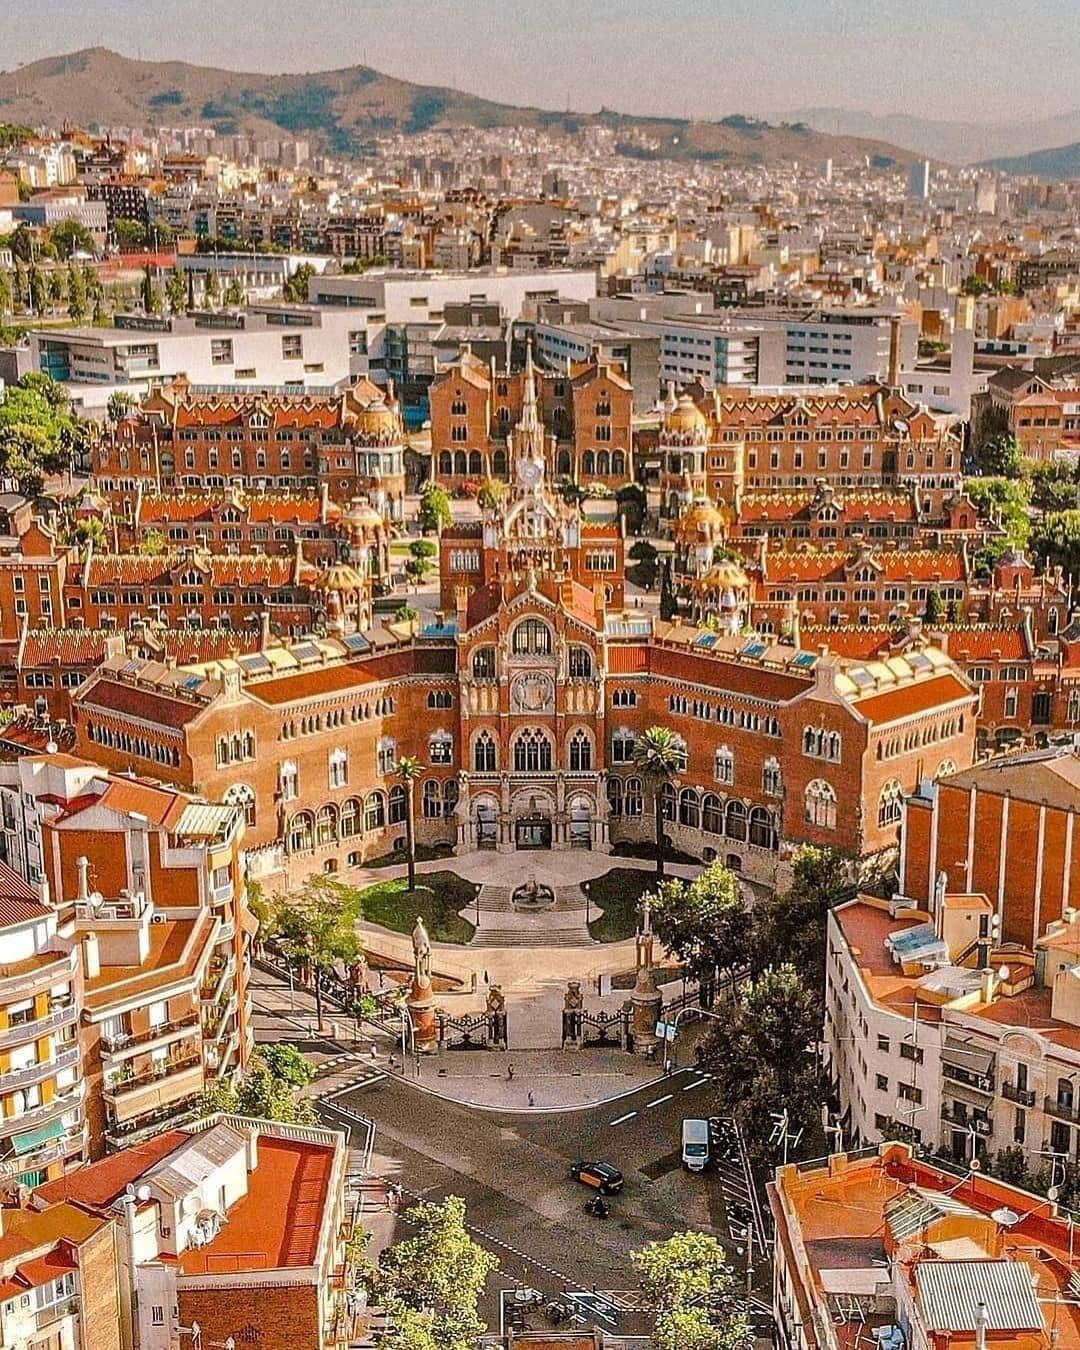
512, 1169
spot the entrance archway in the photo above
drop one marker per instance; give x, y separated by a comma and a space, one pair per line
581, 823
487, 824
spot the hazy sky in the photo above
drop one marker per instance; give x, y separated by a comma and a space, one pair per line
965, 59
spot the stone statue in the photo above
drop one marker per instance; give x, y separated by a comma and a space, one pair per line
575, 1000
421, 950
496, 1000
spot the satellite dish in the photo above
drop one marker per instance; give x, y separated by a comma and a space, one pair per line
975, 1165
143, 1193
1005, 1217
1003, 973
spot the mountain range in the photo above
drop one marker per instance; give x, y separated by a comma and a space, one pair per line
955, 142
341, 109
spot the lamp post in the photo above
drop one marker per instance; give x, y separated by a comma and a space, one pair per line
701, 1012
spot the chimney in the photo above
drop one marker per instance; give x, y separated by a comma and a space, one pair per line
264, 629
91, 957
82, 866
894, 351
461, 604
982, 1324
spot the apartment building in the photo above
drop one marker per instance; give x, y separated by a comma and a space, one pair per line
227, 1231
146, 892
885, 1246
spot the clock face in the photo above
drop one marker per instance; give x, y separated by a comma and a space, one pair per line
529, 472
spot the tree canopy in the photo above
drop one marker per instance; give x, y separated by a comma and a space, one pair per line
38, 435
316, 928
434, 509
687, 1279
71, 236
268, 1091
704, 922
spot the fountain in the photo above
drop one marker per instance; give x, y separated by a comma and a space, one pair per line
532, 896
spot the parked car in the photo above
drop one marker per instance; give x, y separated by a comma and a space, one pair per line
601, 1176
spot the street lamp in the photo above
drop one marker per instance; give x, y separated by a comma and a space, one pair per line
701, 1012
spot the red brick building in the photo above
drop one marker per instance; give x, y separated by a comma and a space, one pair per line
584, 416
185, 437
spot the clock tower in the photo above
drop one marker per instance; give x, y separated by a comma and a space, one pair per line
528, 435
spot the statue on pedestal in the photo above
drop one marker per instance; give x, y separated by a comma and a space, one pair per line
573, 1009
421, 951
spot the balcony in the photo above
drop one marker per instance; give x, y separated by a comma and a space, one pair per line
127, 1043
24, 979
218, 974
177, 1113
42, 1115
162, 1073
56, 1312
23, 1032
45, 1068
66, 1146
1063, 1110
227, 931
1022, 1096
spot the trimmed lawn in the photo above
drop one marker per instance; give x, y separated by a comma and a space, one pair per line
617, 893
438, 897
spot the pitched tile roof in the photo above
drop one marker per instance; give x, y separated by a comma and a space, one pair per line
917, 697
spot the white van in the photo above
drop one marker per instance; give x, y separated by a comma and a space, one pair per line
695, 1145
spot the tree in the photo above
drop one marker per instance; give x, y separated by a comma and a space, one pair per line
935, 607
491, 494
131, 235
268, 1091
234, 292
658, 755
409, 770
295, 287
151, 300
704, 922
687, 1279
22, 243
1004, 499
974, 285
406, 614
56, 286
316, 927
757, 1052
668, 603
440, 1273
5, 293
91, 530
70, 237
796, 920
1053, 487
211, 290
176, 291
36, 291
152, 543
1056, 540
118, 406
1001, 457
76, 295
38, 435
434, 510
288, 1064
645, 558
421, 552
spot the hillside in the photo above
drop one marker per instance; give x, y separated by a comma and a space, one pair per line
1061, 161
957, 142
342, 108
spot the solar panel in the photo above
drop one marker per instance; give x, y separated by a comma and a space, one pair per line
754, 649
306, 651
439, 629
804, 660
192, 682
862, 678
130, 667
356, 642
705, 640
919, 661
252, 663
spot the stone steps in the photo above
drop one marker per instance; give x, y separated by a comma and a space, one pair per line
533, 937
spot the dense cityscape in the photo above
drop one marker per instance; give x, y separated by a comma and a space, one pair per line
539, 715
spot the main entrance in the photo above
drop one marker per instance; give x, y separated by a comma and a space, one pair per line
532, 831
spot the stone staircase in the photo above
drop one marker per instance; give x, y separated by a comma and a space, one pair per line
501, 925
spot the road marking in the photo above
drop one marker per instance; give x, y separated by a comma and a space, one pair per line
700, 1083
623, 1119
660, 1101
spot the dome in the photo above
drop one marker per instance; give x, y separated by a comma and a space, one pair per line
686, 418
341, 577
727, 577
378, 419
362, 515
703, 521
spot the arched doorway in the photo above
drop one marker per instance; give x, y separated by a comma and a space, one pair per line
487, 824
581, 823
533, 821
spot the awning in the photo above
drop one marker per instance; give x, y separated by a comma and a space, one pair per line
32, 1139
962, 1055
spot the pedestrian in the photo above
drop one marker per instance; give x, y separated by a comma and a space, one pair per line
509, 1073
532, 1097
382, 977
668, 1067
487, 980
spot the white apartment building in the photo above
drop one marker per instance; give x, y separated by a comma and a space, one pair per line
420, 297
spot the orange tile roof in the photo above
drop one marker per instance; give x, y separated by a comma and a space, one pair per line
763, 506
988, 642
263, 508
177, 947
276, 1225
133, 569
126, 700
98, 1184
797, 565
64, 647
917, 697
852, 643
865, 928
30, 1230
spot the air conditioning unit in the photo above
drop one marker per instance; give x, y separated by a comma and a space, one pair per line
159, 918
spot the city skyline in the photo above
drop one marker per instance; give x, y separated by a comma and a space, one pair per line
995, 62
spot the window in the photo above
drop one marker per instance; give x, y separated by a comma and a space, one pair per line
386, 756
441, 748
633, 797
579, 755
820, 805
431, 800
724, 766
622, 747
912, 1052
772, 779
689, 809
883, 1044
615, 797
821, 744
375, 811
440, 698
339, 768
532, 752
398, 804
908, 1092
289, 781
157, 1315
532, 638
483, 663
221, 351
881, 1082
292, 347
484, 754
581, 666
890, 804
624, 698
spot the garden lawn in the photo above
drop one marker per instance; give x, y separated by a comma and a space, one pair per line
437, 899
617, 893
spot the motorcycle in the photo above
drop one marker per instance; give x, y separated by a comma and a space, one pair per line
598, 1207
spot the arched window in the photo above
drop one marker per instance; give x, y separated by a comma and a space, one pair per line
301, 832
485, 759
580, 663
498, 462
735, 820
398, 807
724, 765
446, 463
712, 814
483, 663
326, 824
762, 829
890, 804
451, 793
689, 811
432, 800
946, 767
532, 752
562, 463
772, 779
668, 805
588, 462
820, 805
579, 757
459, 408
633, 798
350, 816
615, 797
476, 463
618, 463
339, 768
532, 638
374, 811
240, 794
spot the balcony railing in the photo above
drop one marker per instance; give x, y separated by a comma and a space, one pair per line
1022, 1096
120, 1087
177, 1113
131, 1040
55, 1312
45, 1068
14, 982
22, 1032
1064, 1110
42, 1115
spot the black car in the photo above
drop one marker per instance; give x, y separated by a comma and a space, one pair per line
601, 1176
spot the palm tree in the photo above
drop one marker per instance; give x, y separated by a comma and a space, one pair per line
409, 770
658, 755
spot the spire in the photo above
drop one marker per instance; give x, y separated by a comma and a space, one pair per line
530, 417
